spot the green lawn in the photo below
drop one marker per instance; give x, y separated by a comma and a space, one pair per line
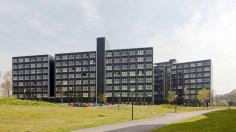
45, 117
219, 121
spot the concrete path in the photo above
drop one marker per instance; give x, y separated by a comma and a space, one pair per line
144, 125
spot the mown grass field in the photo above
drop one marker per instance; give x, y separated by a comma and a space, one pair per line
20, 116
218, 121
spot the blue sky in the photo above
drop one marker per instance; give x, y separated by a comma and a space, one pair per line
185, 29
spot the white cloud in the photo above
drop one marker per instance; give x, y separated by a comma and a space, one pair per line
208, 34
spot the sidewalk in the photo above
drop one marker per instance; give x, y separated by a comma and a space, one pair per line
144, 125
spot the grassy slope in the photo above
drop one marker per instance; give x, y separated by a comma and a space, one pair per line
218, 121
41, 116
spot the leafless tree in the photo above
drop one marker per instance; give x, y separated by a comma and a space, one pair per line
7, 84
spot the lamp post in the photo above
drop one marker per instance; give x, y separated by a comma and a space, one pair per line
118, 101
132, 90
176, 103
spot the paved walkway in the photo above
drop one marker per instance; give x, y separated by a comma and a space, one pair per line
144, 125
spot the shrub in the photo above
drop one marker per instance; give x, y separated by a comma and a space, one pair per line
14, 101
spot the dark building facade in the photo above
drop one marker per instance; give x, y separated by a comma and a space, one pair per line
76, 76
120, 75
84, 76
186, 79
33, 77
128, 69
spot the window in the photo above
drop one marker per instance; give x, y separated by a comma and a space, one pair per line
148, 51
116, 81
71, 56
199, 80
124, 53
124, 60
199, 64
192, 80
32, 65
124, 67
78, 82
149, 66
109, 54
109, 81
71, 75
132, 66
91, 62
186, 65
140, 87
140, 59
148, 73
39, 65
199, 69
149, 80
71, 63
64, 69
78, 69
124, 74
207, 74
192, 65
149, 59
109, 74
117, 67
192, 75
39, 71
186, 70
140, 66
206, 79
132, 73
109, 67
124, 80
64, 57
140, 52
206, 68
58, 70
132, 80
124, 87
64, 82
45, 58
58, 57
186, 75
92, 68
39, 58
15, 60
21, 60
26, 59
92, 55
148, 87
132, 52
117, 87
117, 60
124, 94
108, 61
193, 70
117, 53
132, 59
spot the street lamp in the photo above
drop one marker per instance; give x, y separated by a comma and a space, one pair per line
118, 101
132, 90
176, 103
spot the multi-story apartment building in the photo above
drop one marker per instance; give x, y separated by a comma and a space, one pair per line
129, 69
33, 77
83, 76
120, 75
186, 79
75, 76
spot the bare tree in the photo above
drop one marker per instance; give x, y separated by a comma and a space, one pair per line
7, 84
203, 95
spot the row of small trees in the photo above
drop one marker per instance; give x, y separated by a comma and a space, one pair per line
202, 96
